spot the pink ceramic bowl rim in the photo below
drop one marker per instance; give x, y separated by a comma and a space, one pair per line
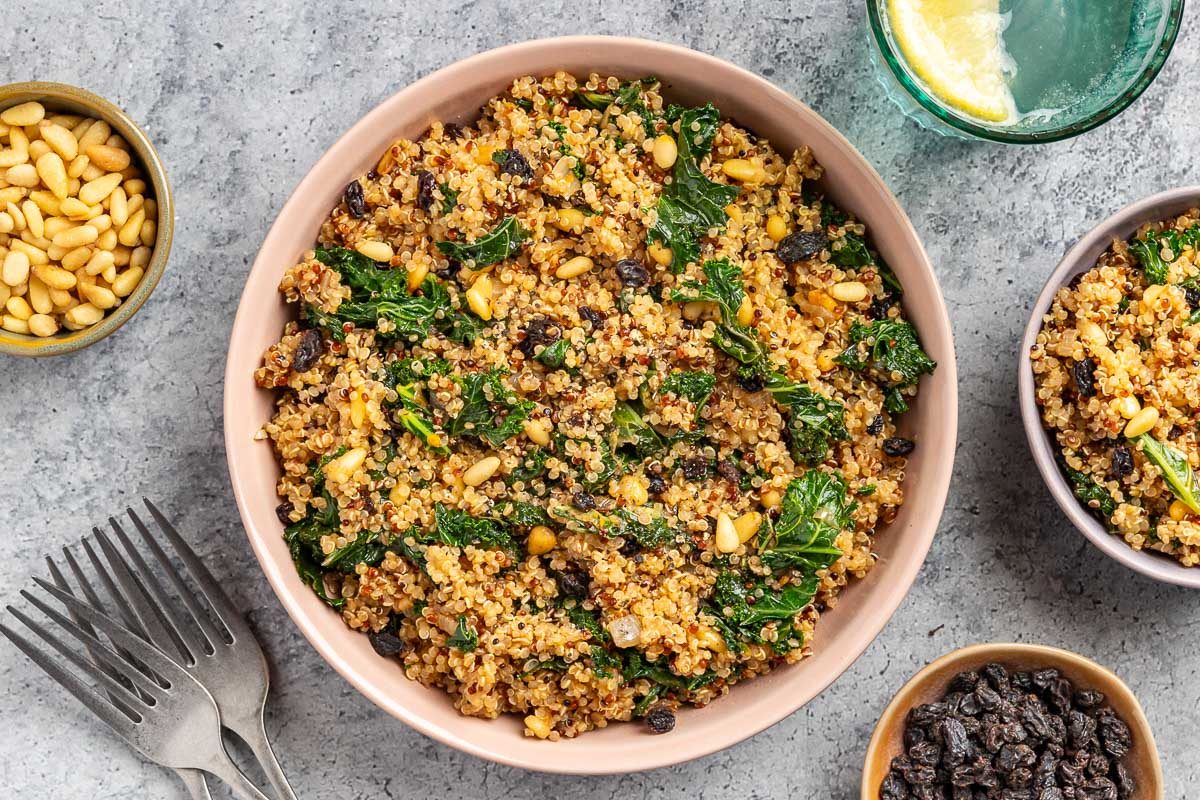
845, 631
1081, 258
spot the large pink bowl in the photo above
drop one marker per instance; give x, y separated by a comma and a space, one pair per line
456, 93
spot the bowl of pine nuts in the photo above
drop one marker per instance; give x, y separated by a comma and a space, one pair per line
86, 218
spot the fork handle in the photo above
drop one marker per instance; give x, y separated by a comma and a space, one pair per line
261, 747
193, 780
224, 768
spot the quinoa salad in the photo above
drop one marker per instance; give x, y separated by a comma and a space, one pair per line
589, 407
1117, 368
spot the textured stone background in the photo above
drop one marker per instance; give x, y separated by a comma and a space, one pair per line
241, 102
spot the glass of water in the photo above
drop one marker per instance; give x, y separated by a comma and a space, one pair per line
1053, 68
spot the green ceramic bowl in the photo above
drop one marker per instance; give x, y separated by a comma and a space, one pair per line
71, 100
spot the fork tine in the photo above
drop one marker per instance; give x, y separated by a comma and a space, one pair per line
163, 600
198, 615
89, 668
109, 714
123, 608
210, 587
114, 665
154, 621
145, 652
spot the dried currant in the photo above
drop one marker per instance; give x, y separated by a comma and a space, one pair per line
425, 188
356, 204
799, 246
1084, 373
308, 351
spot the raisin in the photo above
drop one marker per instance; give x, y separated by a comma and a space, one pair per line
1098, 789
449, 269
913, 736
926, 753
988, 698
969, 705
881, 305
1035, 722
898, 446
928, 713
1043, 679
573, 583
996, 675
1191, 293
1081, 728
513, 163
1114, 734
799, 246
629, 547
539, 332
632, 273
696, 468
425, 188
356, 204
1051, 793
893, 787
656, 486
583, 501
660, 719
1126, 785
309, 349
1088, 698
1084, 373
729, 471
875, 427
1122, 461
282, 511
963, 681
1021, 681
1059, 696
591, 316
954, 739
386, 643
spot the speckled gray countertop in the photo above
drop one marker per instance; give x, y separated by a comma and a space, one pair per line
242, 102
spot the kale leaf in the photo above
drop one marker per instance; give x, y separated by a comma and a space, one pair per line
628, 98
554, 355
457, 528
887, 348
622, 522
632, 433
814, 421
1088, 492
464, 637
533, 466
500, 243
696, 386
691, 204
491, 411
852, 253
816, 508
732, 601
303, 538
519, 514
411, 414
724, 287
1176, 470
449, 197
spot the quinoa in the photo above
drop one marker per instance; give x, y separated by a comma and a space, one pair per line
1117, 370
586, 437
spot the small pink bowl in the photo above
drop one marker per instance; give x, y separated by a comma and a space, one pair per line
457, 93
1081, 258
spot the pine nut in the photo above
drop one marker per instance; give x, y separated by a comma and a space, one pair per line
95, 191
569, 219
76, 237
39, 296
574, 267
745, 312
376, 251
742, 170
62, 299
118, 208
135, 187
101, 223
14, 325
148, 232
97, 133
36, 254
416, 276
47, 202
54, 174
127, 281
37, 149
76, 258
130, 234
726, 536
78, 166
104, 299
776, 228
694, 310
1092, 333
16, 268
54, 277
42, 325
11, 157
661, 254
61, 140
108, 240
30, 113
541, 541
1142, 422
479, 297
1128, 406
481, 470
536, 431
108, 158
23, 175
848, 291
1177, 510
33, 218
400, 493
6, 222
17, 217
342, 468
770, 498
631, 489
747, 525
665, 151
140, 257
19, 308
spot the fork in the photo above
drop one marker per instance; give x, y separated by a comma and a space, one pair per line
158, 708
227, 660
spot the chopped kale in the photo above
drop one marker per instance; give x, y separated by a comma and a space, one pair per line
814, 421
628, 98
747, 610
889, 350
464, 637
691, 204
724, 288
622, 522
852, 253
458, 529
632, 434
407, 378
638, 667
816, 508
520, 515
1088, 492
1148, 252
533, 466
695, 386
365, 549
304, 537
449, 197
1175, 469
491, 411
502, 242
554, 355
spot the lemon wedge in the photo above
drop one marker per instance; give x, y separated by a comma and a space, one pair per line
954, 46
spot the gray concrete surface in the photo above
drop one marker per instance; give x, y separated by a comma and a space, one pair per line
242, 98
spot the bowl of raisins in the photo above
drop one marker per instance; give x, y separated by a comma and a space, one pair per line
1013, 722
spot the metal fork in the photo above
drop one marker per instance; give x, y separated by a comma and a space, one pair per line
217, 647
159, 709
